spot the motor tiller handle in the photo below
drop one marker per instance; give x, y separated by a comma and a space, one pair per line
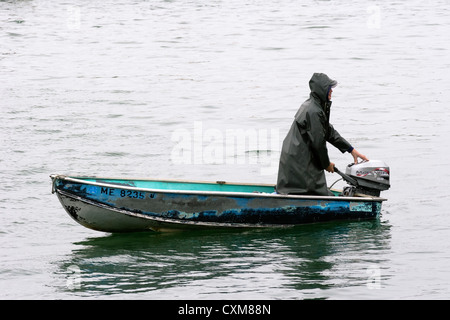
346, 177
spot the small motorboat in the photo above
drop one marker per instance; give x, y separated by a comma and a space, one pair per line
126, 205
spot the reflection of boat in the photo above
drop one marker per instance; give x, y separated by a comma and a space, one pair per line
121, 205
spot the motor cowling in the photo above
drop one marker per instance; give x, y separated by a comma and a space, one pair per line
367, 177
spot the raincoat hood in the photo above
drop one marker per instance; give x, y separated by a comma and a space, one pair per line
320, 84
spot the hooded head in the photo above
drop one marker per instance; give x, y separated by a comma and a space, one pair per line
320, 84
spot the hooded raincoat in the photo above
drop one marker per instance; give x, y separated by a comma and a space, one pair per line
304, 154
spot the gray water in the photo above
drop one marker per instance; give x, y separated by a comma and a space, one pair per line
179, 90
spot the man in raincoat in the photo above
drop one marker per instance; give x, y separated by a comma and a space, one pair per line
304, 155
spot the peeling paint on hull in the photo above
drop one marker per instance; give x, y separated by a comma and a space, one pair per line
123, 207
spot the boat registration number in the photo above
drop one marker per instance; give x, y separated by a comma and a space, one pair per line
126, 193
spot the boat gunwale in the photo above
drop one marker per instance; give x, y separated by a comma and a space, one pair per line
80, 180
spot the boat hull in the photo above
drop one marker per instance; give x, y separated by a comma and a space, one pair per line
122, 207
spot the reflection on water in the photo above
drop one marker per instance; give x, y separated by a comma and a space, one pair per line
299, 262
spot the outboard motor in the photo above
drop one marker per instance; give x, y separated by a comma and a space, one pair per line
367, 177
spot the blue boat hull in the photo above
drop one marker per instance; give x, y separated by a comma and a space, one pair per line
121, 206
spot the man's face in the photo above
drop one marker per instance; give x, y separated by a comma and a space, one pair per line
329, 94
